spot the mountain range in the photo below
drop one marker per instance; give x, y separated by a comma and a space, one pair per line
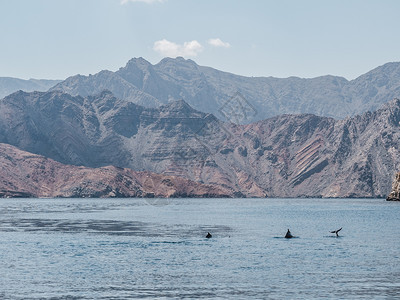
290, 155
9, 85
252, 98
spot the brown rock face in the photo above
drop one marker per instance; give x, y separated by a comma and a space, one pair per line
285, 156
23, 174
395, 193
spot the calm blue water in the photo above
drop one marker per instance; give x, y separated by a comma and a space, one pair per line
131, 248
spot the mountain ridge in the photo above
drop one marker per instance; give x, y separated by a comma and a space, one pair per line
9, 85
284, 156
207, 89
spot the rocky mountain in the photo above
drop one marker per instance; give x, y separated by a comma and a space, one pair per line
9, 85
23, 174
395, 192
236, 98
285, 156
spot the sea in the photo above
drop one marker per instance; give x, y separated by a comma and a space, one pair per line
156, 249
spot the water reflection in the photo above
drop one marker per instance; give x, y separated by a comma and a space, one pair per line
110, 227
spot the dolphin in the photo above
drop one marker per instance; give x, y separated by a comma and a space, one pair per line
336, 231
208, 235
288, 235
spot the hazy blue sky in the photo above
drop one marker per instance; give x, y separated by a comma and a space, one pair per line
306, 38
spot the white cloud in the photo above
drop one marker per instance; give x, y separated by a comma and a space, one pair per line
218, 43
144, 1
171, 49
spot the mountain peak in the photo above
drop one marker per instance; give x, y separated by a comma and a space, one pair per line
137, 61
180, 61
181, 108
390, 65
136, 64
178, 104
390, 69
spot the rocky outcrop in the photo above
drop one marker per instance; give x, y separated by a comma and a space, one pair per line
209, 90
23, 174
395, 193
285, 156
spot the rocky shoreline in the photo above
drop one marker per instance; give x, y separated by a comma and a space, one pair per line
395, 193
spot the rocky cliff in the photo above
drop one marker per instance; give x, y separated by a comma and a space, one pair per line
285, 156
208, 89
23, 174
395, 193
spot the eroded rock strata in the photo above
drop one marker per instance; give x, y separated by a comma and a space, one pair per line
284, 156
23, 174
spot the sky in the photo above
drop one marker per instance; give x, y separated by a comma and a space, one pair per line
54, 39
